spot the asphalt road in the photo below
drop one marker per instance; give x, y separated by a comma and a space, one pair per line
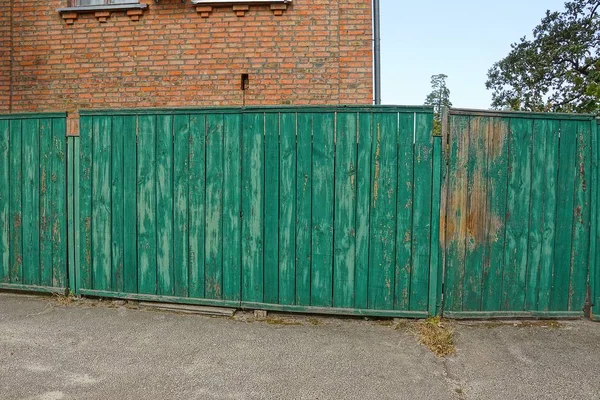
91, 350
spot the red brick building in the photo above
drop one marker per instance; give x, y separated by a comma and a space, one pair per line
172, 53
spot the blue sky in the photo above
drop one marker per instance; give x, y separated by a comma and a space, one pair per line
460, 38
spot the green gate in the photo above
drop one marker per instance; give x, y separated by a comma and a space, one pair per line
298, 209
33, 245
595, 224
518, 214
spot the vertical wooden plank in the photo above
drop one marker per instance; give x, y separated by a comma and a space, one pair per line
72, 243
564, 215
421, 244
304, 208
164, 205
214, 206
363, 208
456, 223
287, 209
5, 190
130, 151
31, 207
435, 272
146, 206
271, 196
59, 206
117, 196
595, 226
196, 206
101, 226
517, 221
345, 211
581, 220
181, 130
383, 211
322, 210
477, 195
404, 211
550, 130
253, 206
232, 192
496, 214
16, 211
536, 219
46, 200
84, 266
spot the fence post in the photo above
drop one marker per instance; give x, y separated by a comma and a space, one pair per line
435, 268
72, 211
595, 227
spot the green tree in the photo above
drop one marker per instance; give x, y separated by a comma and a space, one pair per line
557, 70
438, 98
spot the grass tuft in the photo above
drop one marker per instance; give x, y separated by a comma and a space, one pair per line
436, 336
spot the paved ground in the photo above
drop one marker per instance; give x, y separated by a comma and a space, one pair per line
106, 351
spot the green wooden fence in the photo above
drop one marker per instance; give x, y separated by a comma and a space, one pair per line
595, 223
33, 232
314, 209
518, 214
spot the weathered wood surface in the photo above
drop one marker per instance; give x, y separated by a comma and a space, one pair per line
33, 171
289, 209
518, 213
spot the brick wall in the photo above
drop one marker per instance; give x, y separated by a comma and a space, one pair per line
4, 55
317, 52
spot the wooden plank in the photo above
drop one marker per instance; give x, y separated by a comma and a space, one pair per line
16, 205
322, 210
271, 196
164, 206
146, 205
550, 129
581, 220
46, 199
31, 200
101, 234
253, 173
477, 196
496, 215
421, 243
287, 208
5, 190
232, 195
435, 271
85, 273
536, 219
59, 204
197, 185
517, 221
363, 208
304, 208
181, 173
345, 210
456, 222
384, 179
564, 215
214, 206
72, 244
130, 265
404, 212
117, 202
595, 225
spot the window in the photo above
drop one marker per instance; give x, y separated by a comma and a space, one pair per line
85, 3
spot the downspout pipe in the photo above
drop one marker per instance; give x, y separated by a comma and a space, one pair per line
377, 51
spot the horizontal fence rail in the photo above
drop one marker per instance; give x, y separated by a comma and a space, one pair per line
33, 229
301, 210
518, 214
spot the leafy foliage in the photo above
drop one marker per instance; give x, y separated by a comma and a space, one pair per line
558, 70
438, 98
